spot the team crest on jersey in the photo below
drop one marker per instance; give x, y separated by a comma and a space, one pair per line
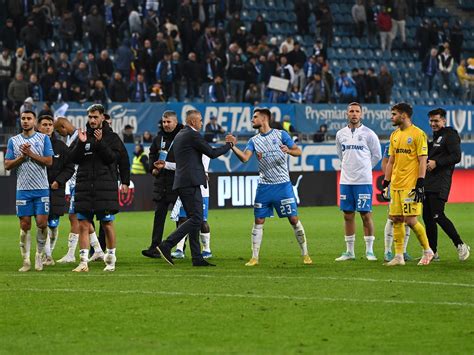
439, 139
88, 146
360, 138
409, 140
274, 141
259, 155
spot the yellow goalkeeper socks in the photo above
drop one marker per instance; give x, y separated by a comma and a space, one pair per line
420, 232
398, 237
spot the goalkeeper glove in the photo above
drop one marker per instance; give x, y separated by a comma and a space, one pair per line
419, 190
386, 190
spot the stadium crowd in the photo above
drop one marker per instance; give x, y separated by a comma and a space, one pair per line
137, 51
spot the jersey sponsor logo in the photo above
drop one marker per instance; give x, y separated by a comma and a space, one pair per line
352, 147
439, 139
365, 196
45, 199
402, 151
342, 197
408, 200
287, 201
257, 205
21, 202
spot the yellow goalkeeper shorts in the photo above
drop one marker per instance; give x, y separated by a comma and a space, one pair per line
402, 204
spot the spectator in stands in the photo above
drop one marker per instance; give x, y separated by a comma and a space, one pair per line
325, 22
253, 95
92, 67
217, 91
399, 17
213, 130
445, 32
285, 70
319, 49
372, 86
35, 89
435, 35
320, 135
67, 30
423, 39
8, 35
18, 90
192, 73
118, 89
287, 126
320, 90
6, 72
289, 43
328, 78
302, 11
127, 134
359, 17
94, 26
297, 55
138, 91
81, 75
385, 84
430, 67
446, 63
310, 67
77, 94
384, 24
259, 28
165, 75
28, 104
57, 93
296, 96
236, 75
299, 79
359, 81
177, 74
147, 137
98, 93
371, 12
466, 79
234, 24
30, 35
457, 39
345, 88
123, 59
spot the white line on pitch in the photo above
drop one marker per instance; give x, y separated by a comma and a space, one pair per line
235, 295
190, 275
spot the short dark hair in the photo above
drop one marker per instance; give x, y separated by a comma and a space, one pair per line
45, 117
403, 107
96, 107
438, 111
264, 111
355, 104
169, 113
28, 111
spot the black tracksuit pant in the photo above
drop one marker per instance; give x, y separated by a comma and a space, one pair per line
433, 214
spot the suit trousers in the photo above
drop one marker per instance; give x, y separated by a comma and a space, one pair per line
161, 210
192, 202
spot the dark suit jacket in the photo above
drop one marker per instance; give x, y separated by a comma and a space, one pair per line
188, 147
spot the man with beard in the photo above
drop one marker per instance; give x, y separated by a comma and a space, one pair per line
163, 193
31, 153
274, 190
97, 151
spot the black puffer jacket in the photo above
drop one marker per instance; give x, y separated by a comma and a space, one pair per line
445, 149
164, 180
61, 171
96, 184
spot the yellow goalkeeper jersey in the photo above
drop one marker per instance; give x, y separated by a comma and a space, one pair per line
406, 146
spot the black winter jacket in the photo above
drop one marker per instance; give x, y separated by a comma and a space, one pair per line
445, 149
164, 180
61, 171
96, 184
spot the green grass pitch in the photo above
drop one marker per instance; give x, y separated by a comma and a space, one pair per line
280, 306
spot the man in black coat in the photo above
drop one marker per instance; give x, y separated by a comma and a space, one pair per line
163, 193
188, 147
58, 174
97, 151
444, 152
